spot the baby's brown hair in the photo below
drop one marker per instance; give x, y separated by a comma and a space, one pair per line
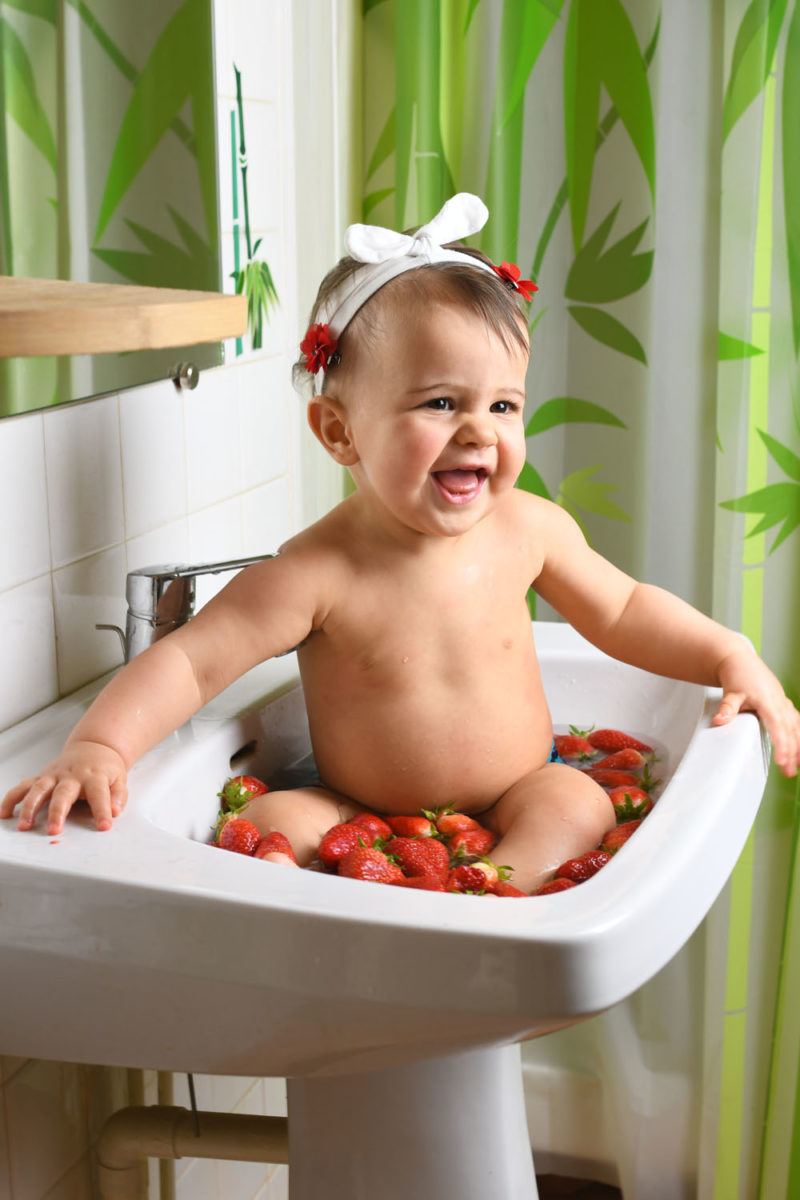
491, 299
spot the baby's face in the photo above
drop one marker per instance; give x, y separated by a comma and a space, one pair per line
436, 416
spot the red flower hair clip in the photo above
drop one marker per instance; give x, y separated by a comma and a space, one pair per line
510, 274
319, 347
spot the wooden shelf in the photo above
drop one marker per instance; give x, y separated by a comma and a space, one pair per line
53, 316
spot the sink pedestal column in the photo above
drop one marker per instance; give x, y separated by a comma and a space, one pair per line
450, 1128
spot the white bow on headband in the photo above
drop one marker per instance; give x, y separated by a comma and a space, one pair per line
386, 253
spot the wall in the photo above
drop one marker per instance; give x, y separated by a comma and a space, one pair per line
94, 490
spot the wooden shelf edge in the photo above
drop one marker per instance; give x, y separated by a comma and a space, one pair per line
54, 316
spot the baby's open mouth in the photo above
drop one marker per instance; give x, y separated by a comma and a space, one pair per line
462, 484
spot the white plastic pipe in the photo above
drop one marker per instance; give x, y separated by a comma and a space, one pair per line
132, 1135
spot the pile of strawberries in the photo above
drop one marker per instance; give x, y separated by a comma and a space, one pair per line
447, 851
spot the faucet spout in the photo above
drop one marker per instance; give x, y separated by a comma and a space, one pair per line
161, 598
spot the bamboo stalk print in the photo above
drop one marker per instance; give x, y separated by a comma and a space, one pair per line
255, 278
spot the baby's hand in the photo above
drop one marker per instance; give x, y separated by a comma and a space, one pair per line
748, 685
83, 770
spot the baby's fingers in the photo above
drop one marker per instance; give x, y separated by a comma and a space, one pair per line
785, 733
13, 797
729, 706
63, 797
31, 795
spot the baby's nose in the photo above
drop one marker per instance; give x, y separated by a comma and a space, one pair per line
477, 429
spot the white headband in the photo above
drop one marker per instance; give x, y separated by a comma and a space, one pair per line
386, 254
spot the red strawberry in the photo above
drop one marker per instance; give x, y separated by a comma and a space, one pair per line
573, 745
239, 835
467, 878
412, 827
478, 841
367, 863
420, 856
425, 883
616, 838
340, 840
583, 867
623, 760
504, 888
611, 779
275, 843
449, 822
613, 739
374, 824
555, 885
630, 802
239, 789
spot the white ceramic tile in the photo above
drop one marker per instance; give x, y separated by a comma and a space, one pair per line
28, 674
238, 1180
46, 1125
86, 593
276, 1186
265, 156
266, 519
256, 43
75, 1184
199, 1181
169, 544
213, 459
275, 1097
215, 535
264, 395
153, 457
24, 529
84, 479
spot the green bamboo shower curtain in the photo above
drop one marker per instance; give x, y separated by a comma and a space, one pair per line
641, 161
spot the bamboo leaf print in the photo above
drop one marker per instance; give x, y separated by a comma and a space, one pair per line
47, 10
753, 53
22, 97
791, 167
565, 410
777, 502
608, 330
194, 265
786, 459
580, 491
532, 23
597, 277
368, 4
167, 80
531, 481
255, 280
601, 50
373, 199
729, 348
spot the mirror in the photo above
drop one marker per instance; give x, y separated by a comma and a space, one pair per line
107, 170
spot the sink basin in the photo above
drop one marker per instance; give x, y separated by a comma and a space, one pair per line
166, 952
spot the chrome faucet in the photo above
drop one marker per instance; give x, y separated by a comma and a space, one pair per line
162, 598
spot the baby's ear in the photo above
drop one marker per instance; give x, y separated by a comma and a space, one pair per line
328, 420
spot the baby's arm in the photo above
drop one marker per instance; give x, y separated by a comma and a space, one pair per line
263, 611
653, 629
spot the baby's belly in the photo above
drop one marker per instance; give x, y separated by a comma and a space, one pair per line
403, 756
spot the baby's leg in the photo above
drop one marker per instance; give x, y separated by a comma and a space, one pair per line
551, 815
302, 814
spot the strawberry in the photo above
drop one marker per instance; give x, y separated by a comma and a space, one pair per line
504, 888
275, 843
613, 739
616, 838
239, 835
555, 885
630, 802
622, 760
239, 789
492, 873
412, 827
449, 822
374, 825
612, 779
425, 883
420, 856
466, 879
478, 841
340, 840
365, 862
583, 867
574, 745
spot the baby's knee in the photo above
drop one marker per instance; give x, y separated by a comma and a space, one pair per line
303, 815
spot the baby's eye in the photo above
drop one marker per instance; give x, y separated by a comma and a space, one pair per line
439, 404
505, 407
